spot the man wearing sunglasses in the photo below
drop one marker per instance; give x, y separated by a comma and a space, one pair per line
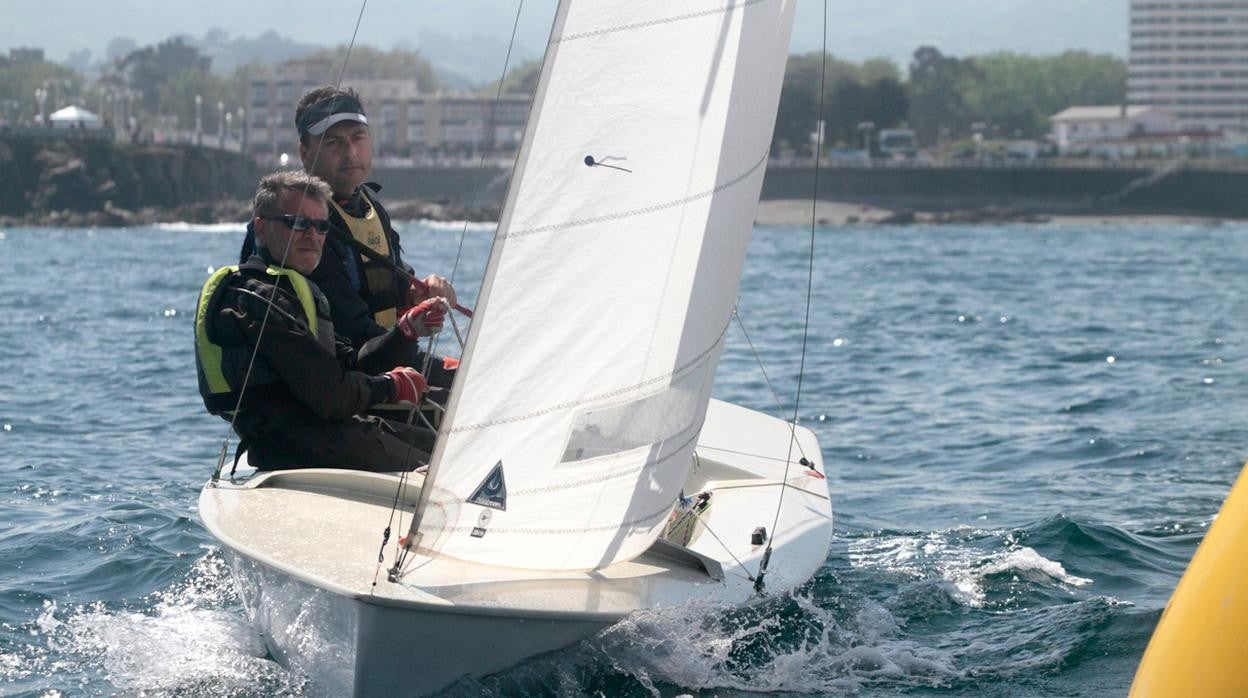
366, 296
270, 362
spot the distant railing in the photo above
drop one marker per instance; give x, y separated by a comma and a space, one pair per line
204, 140
49, 132
1236, 164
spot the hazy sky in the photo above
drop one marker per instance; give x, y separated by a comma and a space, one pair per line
857, 29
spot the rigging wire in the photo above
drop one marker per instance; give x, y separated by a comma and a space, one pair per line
810, 275
401, 551
264, 322
476, 192
736, 313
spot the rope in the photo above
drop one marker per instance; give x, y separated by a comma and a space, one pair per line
264, 322
810, 275
763, 369
401, 552
476, 190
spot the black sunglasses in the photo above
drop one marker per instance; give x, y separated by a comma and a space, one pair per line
300, 224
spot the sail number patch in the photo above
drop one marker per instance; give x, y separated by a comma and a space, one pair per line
492, 492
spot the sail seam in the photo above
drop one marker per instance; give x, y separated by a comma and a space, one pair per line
561, 531
601, 396
639, 211
656, 22
611, 476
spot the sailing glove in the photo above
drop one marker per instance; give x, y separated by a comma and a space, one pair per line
424, 319
409, 385
432, 285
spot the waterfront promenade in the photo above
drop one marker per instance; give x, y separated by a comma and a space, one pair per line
83, 180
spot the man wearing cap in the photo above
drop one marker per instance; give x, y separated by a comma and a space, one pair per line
270, 362
365, 296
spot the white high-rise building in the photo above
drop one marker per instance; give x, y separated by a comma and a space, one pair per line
1190, 58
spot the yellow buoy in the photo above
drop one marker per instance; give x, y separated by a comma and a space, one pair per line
1200, 647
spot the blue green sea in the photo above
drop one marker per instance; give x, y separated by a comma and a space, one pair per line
1027, 429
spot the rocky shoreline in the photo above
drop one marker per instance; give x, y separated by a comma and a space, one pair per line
783, 212
224, 211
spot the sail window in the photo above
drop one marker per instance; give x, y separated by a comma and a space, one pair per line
647, 421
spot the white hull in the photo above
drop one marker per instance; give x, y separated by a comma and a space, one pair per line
303, 546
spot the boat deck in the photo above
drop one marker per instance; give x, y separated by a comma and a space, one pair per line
326, 528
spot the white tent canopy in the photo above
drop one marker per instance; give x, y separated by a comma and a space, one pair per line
75, 117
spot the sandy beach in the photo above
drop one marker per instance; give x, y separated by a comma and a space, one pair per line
797, 212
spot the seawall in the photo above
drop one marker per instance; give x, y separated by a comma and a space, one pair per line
91, 181
1171, 188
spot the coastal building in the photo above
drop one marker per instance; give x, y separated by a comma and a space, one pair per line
407, 123
1190, 57
1120, 131
271, 97
26, 55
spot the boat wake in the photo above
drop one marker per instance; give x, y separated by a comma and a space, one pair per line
957, 610
189, 640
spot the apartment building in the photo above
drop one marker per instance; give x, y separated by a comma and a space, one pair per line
405, 122
1190, 58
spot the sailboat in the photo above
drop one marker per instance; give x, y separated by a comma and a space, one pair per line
582, 472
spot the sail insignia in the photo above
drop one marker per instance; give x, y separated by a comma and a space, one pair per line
492, 492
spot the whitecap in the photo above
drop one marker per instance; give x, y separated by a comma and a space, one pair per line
1025, 561
457, 226
184, 227
962, 568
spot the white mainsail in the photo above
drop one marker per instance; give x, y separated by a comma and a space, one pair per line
610, 286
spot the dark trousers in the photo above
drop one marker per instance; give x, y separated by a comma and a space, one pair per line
358, 443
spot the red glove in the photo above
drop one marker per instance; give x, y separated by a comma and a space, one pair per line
424, 319
409, 385
450, 363
432, 285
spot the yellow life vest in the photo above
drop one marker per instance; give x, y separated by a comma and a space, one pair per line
207, 353
378, 281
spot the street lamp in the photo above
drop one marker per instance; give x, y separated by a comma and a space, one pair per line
229, 127
40, 95
220, 120
865, 128
273, 134
199, 123
977, 135
242, 129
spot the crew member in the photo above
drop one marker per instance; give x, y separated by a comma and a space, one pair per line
365, 296
266, 326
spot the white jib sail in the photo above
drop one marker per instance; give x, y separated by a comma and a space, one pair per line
610, 285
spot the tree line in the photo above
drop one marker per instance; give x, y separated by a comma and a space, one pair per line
943, 98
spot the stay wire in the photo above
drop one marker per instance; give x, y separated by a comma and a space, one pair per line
476, 192
736, 313
810, 275
698, 515
264, 322
402, 551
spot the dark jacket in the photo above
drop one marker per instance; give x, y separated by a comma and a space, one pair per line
303, 386
340, 273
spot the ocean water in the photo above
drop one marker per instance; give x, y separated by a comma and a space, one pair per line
1027, 428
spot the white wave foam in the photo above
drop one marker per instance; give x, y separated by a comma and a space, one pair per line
963, 568
186, 643
455, 226
184, 227
1026, 562
704, 647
